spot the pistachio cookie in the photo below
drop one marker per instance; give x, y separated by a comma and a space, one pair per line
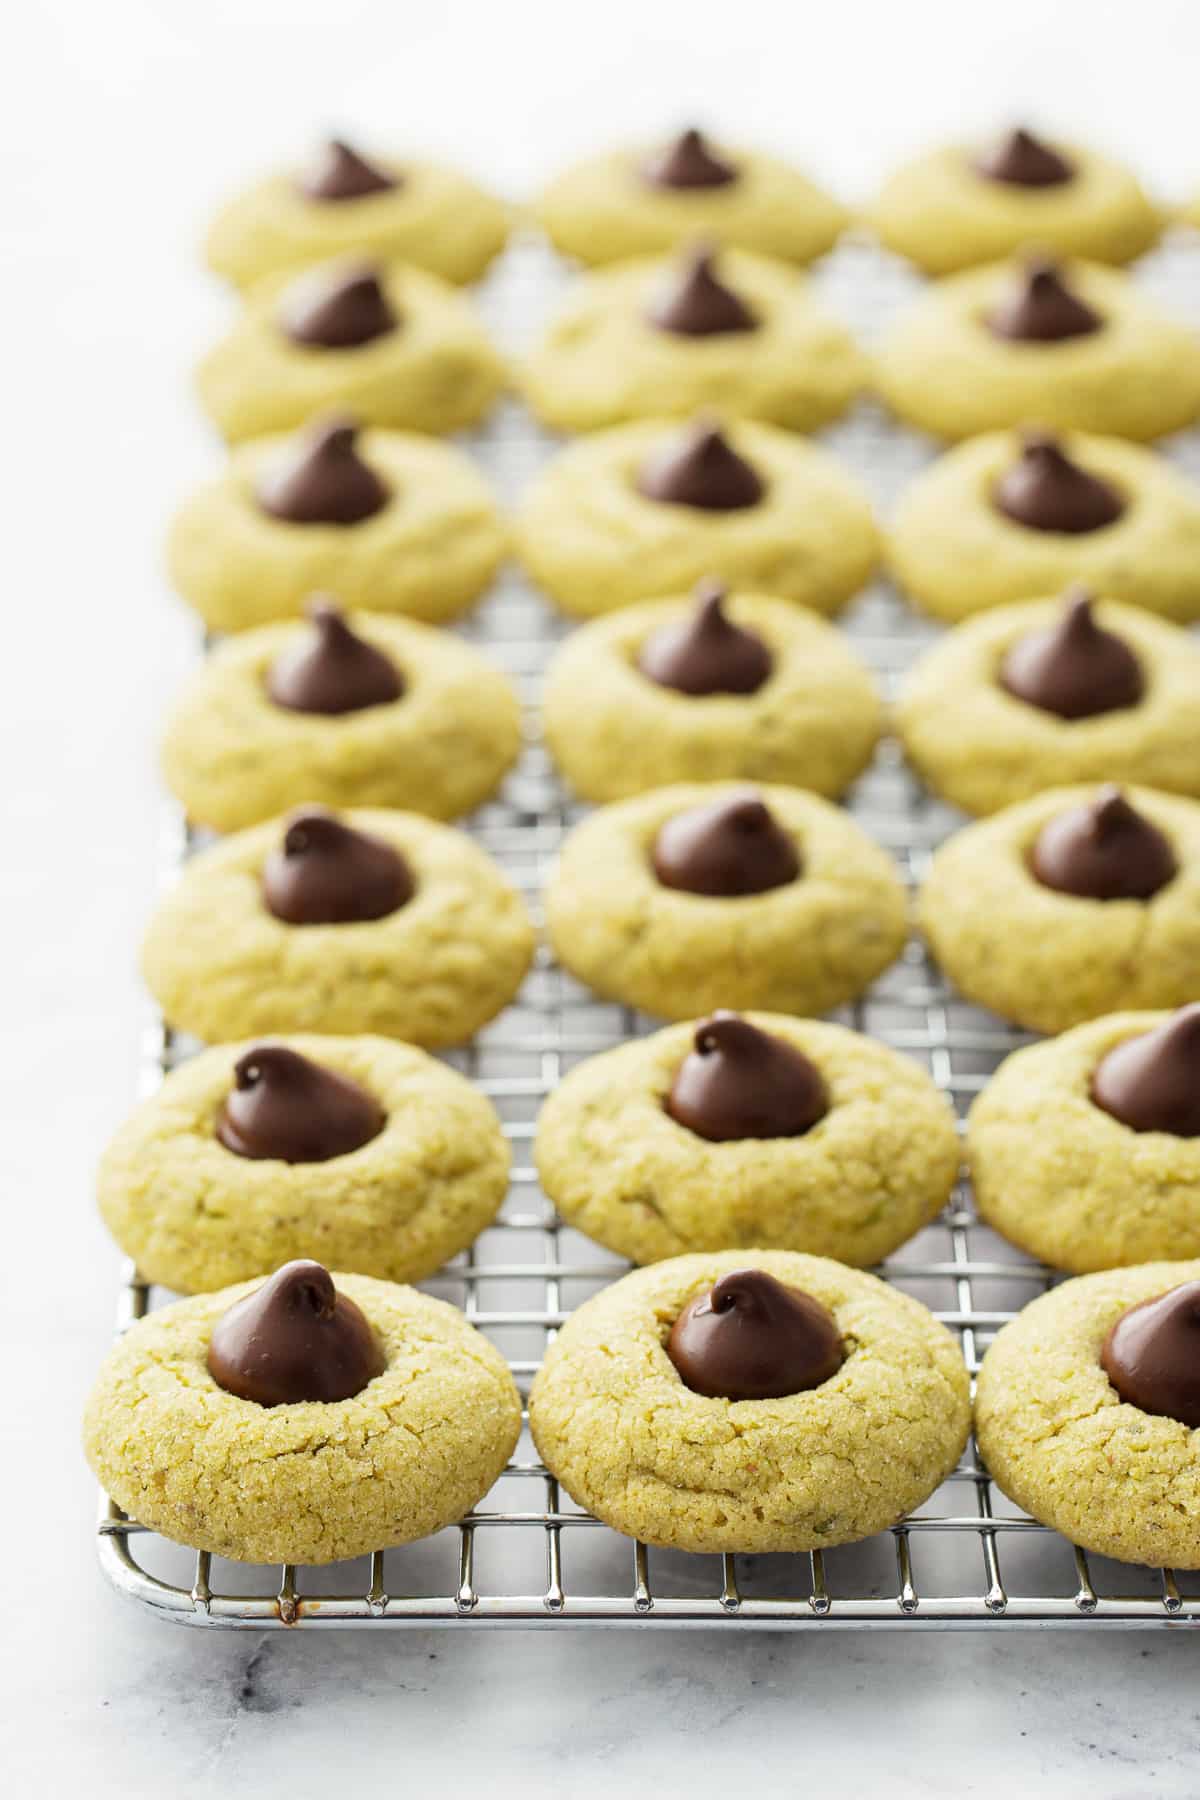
397, 346
1077, 349
668, 339
389, 522
1078, 902
398, 210
650, 508
361, 1152
1088, 1412
1050, 692
359, 711
752, 1400
364, 922
1085, 1151
712, 894
965, 204
1015, 518
305, 1419
642, 202
707, 689
741, 1131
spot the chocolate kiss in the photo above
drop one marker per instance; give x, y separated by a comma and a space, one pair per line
294, 1339
326, 873
284, 1108
751, 1338
339, 311
1152, 1082
739, 1082
1074, 667
1045, 490
340, 173
323, 480
688, 161
333, 670
731, 847
1024, 161
1041, 309
706, 653
1152, 1355
1103, 851
696, 304
699, 468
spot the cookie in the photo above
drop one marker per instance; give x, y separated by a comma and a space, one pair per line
1061, 1442
614, 1421
242, 1161
314, 1481
651, 508
401, 210
615, 729
644, 201
802, 910
1076, 349
1051, 692
365, 922
1049, 957
1059, 1175
965, 204
696, 1139
1113, 516
398, 347
387, 521
235, 754
665, 339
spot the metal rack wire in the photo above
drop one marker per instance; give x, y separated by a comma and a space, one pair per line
527, 1555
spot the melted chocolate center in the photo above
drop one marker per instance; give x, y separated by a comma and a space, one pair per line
1022, 160
337, 311
294, 1339
1152, 1082
1042, 309
323, 480
688, 161
729, 848
326, 873
1152, 1355
706, 653
751, 1338
1073, 668
340, 173
1103, 851
333, 670
700, 468
1045, 490
739, 1082
696, 303
284, 1108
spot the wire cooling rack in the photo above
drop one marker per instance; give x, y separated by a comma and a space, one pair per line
527, 1555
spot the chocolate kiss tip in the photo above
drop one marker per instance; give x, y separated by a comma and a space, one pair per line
339, 312
1152, 1355
740, 1082
335, 672
1073, 668
327, 873
285, 1108
1152, 1082
322, 479
706, 653
295, 1339
340, 172
697, 303
752, 1338
688, 161
1103, 850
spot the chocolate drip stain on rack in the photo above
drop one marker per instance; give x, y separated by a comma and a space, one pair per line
527, 1555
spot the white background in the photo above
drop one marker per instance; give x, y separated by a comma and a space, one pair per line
120, 125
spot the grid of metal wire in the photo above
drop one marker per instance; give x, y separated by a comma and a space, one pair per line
527, 1554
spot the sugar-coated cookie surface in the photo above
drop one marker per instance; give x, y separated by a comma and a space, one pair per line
613, 1420
316, 1481
193, 1215
1065, 1180
1059, 1440
234, 757
872, 1171
955, 553
613, 731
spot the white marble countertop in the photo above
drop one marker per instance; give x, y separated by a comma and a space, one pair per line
121, 124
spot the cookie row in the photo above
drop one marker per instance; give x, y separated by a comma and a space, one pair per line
949, 209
